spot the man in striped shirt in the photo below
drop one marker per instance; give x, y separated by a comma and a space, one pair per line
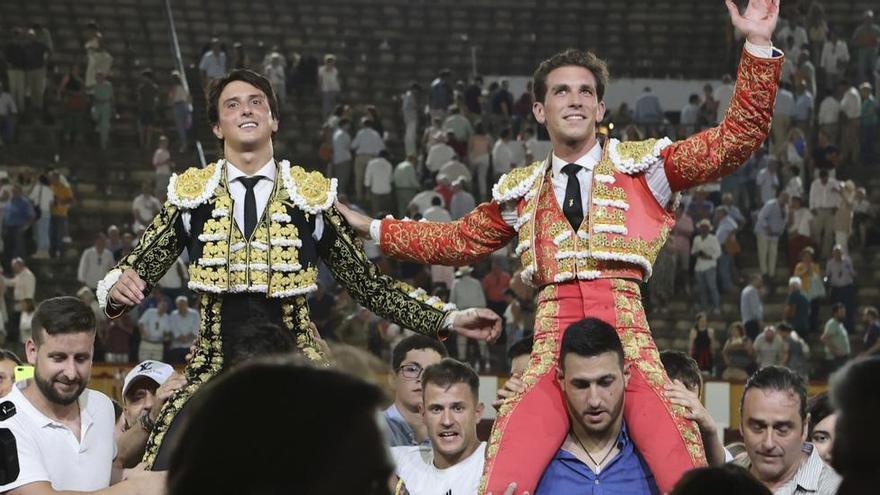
773, 422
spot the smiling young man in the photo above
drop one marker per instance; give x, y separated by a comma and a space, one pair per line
453, 463
255, 228
591, 219
58, 434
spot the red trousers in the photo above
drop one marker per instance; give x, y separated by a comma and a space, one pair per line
531, 426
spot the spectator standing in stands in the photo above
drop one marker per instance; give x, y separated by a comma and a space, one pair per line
366, 145
709, 107
690, 114
406, 183
462, 201
802, 117
328, 82
99, 61
479, 151
681, 239
184, 324
36, 54
8, 114
42, 198
767, 181
824, 201
723, 95
751, 306
783, 113
409, 359
147, 105
154, 324
102, 108
342, 160
797, 307
737, 353
843, 218
473, 95
871, 319
440, 96
461, 129
796, 350
74, 104
64, 199
377, 179
702, 344
95, 262
730, 247
868, 123
836, 339
806, 72
769, 348
768, 229
799, 221
181, 102
502, 158
145, 207
707, 250
23, 285
866, 40
502, 105
649, 112
16, 67
18, 216
829, 116
467, 292
410, 111
850, 124
162, 165
495, 284
811, 283
840, 274
834, 59
440, 153
275, 73
213, 63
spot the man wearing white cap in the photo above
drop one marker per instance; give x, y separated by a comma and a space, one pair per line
145, 389
707, 249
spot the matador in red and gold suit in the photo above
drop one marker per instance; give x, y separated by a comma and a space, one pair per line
594, 271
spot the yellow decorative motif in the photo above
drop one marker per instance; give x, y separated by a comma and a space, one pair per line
313, 189
195, 185
603, 191
516, 183
608, 215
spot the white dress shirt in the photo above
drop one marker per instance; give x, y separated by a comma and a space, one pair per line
262, 192
829, 111
438, 155
707, 245
378, 176
851, 104
93, 266
367, 142
800, 223
824, 195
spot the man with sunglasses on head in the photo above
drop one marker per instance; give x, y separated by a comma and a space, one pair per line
409, 359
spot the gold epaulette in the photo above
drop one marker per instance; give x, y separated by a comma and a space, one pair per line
517, 183
312, 192
194, 186
633, 157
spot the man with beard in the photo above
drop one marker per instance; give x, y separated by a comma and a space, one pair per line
452, 464
598, 449
774, 424
57, 435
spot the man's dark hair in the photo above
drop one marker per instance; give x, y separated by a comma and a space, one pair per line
449, 372
836, 307
243, 75
436, 201
255, 339
694, 98
7, 355
780, 379
819, 406
857, 442
505, 133
415, 343
784, 327
521, 347
590, 337
64, 314
727, 479
580, 58
337, 428
679, 366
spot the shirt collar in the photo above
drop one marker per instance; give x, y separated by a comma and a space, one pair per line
588, 161
233, 173
623, 441
807, 476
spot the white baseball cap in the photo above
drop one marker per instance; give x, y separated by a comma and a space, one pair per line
154, 370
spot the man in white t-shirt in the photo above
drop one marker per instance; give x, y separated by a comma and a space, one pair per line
61, 431
145, 207
154, 324
453, 464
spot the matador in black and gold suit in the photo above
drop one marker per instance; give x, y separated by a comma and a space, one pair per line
267, 276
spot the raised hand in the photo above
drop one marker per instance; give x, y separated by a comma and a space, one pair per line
477, 323
758, 21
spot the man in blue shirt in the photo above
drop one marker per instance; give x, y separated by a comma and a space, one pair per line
597, 456
18, 216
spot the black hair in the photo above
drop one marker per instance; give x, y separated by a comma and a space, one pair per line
521, 347
819, 406
255, 339
335, 426
7, 355
415, 343
854, 395
449, 372
781, 379
679, 366
590, 337
727, 479
569, 57
59, 315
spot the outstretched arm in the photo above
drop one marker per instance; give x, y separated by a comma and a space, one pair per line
391, 299
464, 241
719, 151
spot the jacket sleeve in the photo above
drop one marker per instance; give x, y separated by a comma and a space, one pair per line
719, 151
391, 299
156, 252
464, 241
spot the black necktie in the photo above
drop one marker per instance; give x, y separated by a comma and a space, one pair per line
571, 206
250, 204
